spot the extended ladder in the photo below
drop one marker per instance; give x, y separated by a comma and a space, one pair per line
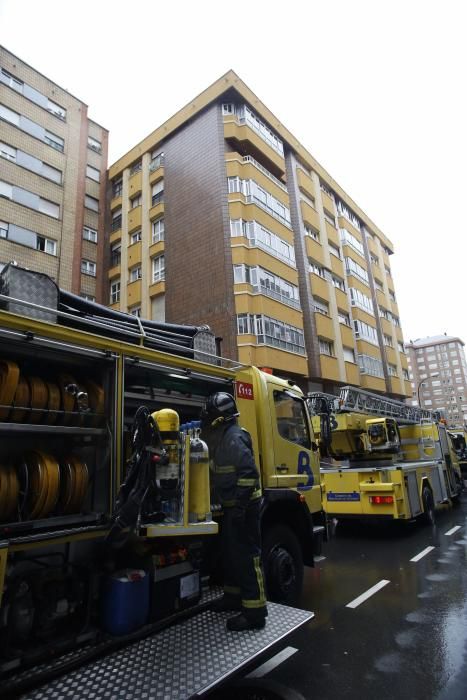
360, 401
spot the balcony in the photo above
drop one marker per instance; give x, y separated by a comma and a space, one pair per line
324, 326
251, 141
157, 162
262, 169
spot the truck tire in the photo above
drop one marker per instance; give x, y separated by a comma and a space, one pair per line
283, 565
428, 516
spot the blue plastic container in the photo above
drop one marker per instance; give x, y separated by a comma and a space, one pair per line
125, 604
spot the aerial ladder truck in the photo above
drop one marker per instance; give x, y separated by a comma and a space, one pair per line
381, 458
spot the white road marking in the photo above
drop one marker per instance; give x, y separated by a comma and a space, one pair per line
371, 591
453, 530
418, 556
272, 663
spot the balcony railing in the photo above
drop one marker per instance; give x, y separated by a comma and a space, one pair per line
251, 199
273, 178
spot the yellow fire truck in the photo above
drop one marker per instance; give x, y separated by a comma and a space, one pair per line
73, 377
382, 458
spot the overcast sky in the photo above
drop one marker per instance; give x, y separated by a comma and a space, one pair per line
375, 90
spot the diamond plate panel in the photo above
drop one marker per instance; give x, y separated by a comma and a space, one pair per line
186, 659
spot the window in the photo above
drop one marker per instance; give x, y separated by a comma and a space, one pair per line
6, 190
91, 203
94, 144
378, 284
51, 173
392, 370
338, 283
114, 292
49, 208
228, 109
46, 245
58, 111
243, 325
157, 192
315, 268
326, 347
135, 311
291, 418
353, 268
11, 81
350, 239
308, 198
135, 168
55, 141
9, 115
135, 201
343, 210
312, 232
388, 340
8, 152
135, 237
115, 254
335, 251
88, 267
263, 238
93, 173
370, 365
89, 234
366, 332
329, 218
343, 317
320, 306
158, 268
158, 230
88, 297
275, 333
135, 273
349, 355
157, 160
405, 373
117, 188
3, 229
116, 220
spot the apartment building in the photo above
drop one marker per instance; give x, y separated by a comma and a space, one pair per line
53, 169
438, 374
221, 216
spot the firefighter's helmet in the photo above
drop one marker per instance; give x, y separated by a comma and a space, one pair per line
219, 408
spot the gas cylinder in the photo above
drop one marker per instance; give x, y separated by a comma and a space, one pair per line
199, 496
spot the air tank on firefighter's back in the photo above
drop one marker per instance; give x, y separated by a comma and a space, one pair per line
199, 501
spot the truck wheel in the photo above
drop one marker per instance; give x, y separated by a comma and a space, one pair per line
283, 565
428, 516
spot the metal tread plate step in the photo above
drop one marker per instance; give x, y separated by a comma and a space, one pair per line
185, 660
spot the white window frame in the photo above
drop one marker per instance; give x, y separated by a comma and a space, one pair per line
89, 234
88, 267
158, 268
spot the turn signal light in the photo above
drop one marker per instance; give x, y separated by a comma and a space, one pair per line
381, 500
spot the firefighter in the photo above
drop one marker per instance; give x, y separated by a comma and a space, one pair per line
236, 484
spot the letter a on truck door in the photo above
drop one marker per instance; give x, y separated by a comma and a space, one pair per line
291, 439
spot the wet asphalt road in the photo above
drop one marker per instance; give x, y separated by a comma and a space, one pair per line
409, 639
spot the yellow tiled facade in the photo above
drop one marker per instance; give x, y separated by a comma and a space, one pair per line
220, 216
